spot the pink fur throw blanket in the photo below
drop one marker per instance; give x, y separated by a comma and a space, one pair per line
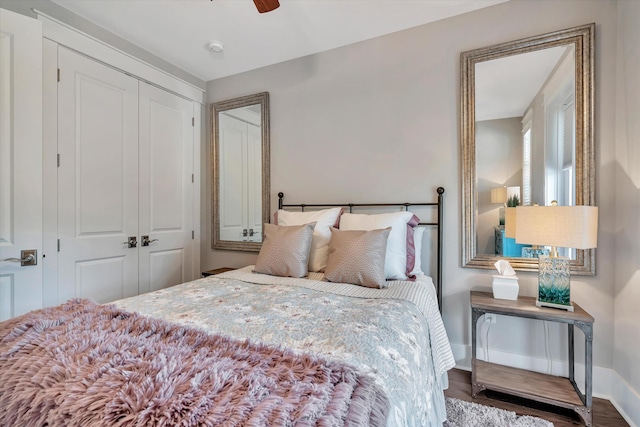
84, 364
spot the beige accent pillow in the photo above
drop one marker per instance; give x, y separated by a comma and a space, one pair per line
324, 219
396, 258
285, 250
357, 256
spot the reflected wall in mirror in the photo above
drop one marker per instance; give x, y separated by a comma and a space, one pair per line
240, 163
527, 131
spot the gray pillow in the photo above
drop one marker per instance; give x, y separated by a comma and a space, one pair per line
357, 257
285, 250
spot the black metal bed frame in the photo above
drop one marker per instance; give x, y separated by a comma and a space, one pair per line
438, 224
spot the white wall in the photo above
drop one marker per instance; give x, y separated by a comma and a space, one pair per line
379, 120
626, 352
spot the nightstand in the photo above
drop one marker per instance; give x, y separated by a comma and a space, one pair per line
550, 389
216, 271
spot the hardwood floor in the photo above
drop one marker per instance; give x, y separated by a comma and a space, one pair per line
604, 413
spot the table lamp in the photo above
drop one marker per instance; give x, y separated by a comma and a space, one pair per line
533, 251
556, 226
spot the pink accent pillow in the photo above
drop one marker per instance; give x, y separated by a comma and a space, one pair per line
411, 246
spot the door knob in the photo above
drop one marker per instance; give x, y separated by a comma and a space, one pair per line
146, 241
27, 257
132, 241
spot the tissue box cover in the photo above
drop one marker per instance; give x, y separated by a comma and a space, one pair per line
505, 287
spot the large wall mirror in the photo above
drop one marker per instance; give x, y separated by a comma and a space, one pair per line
526, 131
241, 174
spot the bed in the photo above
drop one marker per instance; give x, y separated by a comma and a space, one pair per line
246, 348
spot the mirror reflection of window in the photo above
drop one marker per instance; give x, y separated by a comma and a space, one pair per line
526, 160
534, 91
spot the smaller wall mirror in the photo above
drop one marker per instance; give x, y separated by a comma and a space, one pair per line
241, 173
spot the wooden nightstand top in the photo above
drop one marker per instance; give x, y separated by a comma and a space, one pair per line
526, 307
216, 271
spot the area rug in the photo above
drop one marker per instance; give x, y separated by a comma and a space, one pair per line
469, 414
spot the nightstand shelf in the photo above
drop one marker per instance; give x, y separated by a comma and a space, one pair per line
550, 389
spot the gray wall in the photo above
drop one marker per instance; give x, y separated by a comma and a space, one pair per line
626, 226
379, 120
499, 163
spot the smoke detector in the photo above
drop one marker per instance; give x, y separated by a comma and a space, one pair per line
215, 46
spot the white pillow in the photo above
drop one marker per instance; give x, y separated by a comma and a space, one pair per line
418, 232
395, 264
324, 219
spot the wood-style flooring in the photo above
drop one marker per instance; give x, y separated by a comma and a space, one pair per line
604, 413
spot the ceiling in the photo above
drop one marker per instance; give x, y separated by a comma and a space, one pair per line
179, 31
505, 87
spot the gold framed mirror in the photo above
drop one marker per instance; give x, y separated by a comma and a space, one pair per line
241, 172
527, 130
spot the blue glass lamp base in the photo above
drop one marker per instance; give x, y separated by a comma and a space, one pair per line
553, 283
531, 252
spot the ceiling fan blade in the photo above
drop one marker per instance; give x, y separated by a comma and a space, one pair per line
266, 5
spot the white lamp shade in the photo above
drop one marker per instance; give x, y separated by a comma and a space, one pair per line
513, 191
499, 195
561, 226
510, 223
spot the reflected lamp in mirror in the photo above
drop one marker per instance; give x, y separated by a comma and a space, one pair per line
507, 197
556, 226
499, 195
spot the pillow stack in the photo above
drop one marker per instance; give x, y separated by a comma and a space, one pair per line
366, 250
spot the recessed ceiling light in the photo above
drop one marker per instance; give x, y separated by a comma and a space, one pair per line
215, 46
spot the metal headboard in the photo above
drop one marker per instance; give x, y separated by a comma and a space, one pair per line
438, 224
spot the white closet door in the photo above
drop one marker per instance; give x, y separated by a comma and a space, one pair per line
166, 188
254, 190
97, 180
20, 162
233, 177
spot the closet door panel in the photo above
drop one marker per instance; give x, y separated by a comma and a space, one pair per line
166, 268
254, 189
166, 188
97, 179
233, 184
21, 287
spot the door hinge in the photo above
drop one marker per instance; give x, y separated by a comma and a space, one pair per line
58, 160
58, 74
58, 245
193, 121
193, 234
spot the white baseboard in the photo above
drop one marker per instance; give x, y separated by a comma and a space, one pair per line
607, 384
625, 399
